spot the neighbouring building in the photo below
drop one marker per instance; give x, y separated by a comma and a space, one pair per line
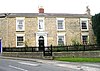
20, 29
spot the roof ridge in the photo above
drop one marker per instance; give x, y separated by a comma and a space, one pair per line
45, 15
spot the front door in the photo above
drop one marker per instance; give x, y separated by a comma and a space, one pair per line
0, 46
41, 43
44, 35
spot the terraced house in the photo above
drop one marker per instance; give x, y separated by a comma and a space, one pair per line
21, 29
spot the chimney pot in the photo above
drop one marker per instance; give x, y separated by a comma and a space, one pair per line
41, 10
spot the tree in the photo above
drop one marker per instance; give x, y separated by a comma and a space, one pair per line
96, 27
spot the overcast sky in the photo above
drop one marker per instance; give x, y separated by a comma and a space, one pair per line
50, 6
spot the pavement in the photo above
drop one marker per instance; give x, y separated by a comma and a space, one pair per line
27, 59
73, 65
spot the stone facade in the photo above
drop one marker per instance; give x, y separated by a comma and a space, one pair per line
72, 29
3, 31
51, 29
30, 30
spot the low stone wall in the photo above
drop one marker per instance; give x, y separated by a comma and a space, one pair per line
23, 54
55, 54
77, 54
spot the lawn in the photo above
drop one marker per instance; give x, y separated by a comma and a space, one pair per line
77, 59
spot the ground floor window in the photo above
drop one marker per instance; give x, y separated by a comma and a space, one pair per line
61, 39
84, 39
20, 40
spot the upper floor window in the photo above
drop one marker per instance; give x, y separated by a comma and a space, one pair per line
40, 23
20, 22
84, 24
60, 24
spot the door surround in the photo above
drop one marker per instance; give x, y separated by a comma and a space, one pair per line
44, 34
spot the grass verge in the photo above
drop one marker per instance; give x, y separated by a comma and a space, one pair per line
77, 59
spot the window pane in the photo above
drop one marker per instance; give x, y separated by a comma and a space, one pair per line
20, 24
84, 39
19, 38
60, 21
84, 26
20, 21
60, 24
60, 40
20, 43
40, 24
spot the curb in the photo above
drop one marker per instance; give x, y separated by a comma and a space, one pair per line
16, 58
28, 59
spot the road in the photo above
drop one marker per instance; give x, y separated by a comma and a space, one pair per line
46, 65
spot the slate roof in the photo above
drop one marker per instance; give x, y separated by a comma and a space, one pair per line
44, 15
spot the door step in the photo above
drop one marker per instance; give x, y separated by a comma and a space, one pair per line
48, 57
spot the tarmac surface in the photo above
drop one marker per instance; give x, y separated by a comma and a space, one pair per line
50, 65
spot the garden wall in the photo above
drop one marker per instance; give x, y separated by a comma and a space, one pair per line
55, 54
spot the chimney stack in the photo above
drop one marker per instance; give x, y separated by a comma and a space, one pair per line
41, 9
88, 10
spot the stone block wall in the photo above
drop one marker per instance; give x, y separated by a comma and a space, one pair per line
50, 28
88, 54
72, 31
11, 32
31, 27
3, 31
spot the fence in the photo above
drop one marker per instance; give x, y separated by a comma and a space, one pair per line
76, 48
54, 48
20, 49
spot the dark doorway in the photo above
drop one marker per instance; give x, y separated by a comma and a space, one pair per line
0, 46
41, 43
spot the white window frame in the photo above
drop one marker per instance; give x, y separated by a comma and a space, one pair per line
23, 39
61, 34
20, 18
84, 19
43, 25
85, 34
63, 23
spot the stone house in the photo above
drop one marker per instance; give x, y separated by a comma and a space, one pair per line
20, 29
